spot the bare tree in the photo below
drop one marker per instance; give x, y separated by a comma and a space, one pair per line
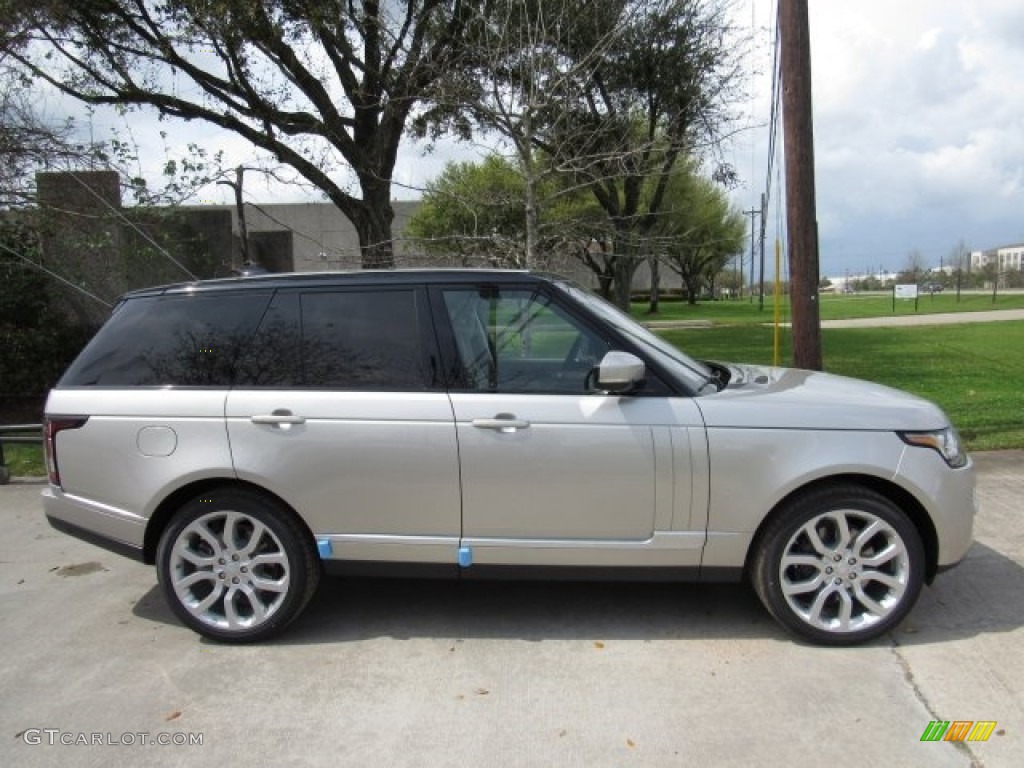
28, 143
515, 85
914, 267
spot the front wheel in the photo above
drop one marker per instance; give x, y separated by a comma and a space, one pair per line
236, 566
839, 566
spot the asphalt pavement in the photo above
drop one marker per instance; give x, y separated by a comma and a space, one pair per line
404, 673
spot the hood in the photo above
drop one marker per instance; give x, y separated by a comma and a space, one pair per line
787, 398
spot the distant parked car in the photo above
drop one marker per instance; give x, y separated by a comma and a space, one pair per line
246, 434
932, 287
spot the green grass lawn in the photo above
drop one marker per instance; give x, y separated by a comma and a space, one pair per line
972, 371
24, 459
832, 307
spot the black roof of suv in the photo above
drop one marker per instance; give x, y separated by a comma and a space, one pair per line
369, 276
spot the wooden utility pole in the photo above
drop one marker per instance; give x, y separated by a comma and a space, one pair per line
751, 213
801, 214
764, 212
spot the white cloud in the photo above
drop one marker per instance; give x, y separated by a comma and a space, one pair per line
919, 127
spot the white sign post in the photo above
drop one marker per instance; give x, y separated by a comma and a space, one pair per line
904, 291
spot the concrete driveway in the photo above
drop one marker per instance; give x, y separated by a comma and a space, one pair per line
400, 673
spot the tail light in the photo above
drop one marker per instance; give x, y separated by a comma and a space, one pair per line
51, 428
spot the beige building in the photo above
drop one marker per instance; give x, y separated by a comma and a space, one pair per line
1008, 258
95, 241
314, 237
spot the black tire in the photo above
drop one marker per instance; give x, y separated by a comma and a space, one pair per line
241, 590
836, 587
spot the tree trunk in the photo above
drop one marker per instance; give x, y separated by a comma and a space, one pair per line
623, 270
624, 263
654, 264
372, 221
692, 289
530, 187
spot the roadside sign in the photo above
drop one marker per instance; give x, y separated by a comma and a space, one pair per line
904, 291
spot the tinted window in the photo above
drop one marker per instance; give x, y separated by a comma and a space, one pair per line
365, 339
362, 340
274, 358
520, 341
180, 340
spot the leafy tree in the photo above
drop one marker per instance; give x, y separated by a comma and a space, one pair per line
313, 83
37, 338
474, 213
659, 92
698, 232
613, 92
514, 83
477, 213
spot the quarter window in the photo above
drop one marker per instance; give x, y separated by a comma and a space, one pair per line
187, 340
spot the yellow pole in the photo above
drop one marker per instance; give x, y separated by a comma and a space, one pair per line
778, 301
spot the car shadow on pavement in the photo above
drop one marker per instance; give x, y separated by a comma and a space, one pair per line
356, 609
984, 595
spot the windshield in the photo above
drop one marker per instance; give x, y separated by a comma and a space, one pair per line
695, 374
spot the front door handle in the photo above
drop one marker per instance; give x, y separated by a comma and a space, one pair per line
278, 417
503, 422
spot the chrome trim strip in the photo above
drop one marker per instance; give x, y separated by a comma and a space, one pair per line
388, 547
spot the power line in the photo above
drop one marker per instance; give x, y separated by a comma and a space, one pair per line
132, 224
773, 122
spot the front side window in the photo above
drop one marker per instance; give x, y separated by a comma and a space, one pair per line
693, 373
520, 341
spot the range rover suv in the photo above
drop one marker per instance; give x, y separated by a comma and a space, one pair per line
245, 434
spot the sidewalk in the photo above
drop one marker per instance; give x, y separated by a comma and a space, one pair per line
942, 318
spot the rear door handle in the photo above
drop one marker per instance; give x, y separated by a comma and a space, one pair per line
280, 416
503, 422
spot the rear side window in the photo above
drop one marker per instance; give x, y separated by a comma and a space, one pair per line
342, 340
190, 340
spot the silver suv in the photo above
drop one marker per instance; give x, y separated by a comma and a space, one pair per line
245, 434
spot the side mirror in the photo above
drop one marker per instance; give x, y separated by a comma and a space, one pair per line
620, 372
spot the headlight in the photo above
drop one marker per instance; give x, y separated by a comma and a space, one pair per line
945, 441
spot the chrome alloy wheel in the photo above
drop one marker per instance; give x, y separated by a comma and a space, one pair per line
229, 570
844, 571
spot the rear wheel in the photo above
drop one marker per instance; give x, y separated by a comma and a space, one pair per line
236, 566
839, 565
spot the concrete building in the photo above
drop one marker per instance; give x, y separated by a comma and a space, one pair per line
94, 241
1008, 258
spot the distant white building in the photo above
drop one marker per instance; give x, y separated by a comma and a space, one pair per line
1007, 258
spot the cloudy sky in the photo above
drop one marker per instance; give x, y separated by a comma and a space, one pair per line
919, 130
